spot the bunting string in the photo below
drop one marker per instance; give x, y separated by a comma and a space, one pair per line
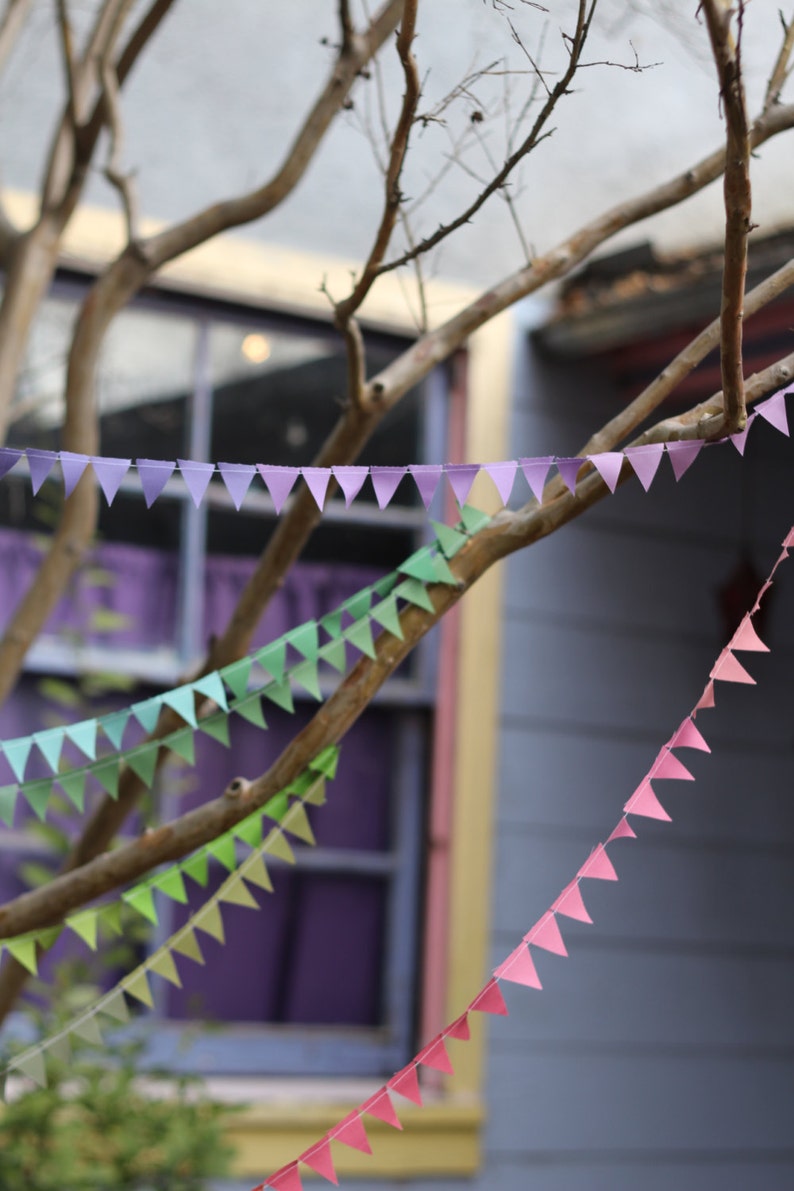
519, 966
154, 474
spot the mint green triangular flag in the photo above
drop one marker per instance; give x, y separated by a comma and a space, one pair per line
8, 802
59, 1048
110, 917
217, 726
386, 614
85, 926
360, 634
137, 986
280, 694
306, 674
171, 884
143, 761
386, 585
147, 712
107, 774
272, 658
358, 605
196, 867
23, 950
115, 1006
140, 898
212, 687
305, 639
419, 565
223, 850
88, 1030
38, 795
113, 726
73, 786
415, 592
250, 709
17, 753
335, 654
183, 744
442, 572
332, 623
450, 540
182, 700
236, 676
473, 519
84, 736
50, 744
31, 1065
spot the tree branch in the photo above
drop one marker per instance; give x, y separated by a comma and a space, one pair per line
67, 54
11, 25
781, 70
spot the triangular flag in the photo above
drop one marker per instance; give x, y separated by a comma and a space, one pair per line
459, 1028
706, 700
319, 1159
332, 623
41, 464
85, 926
286, 1179
50, 744
8, 802
250, 709
171, 884
745, 638
450, 540
212, 687
17, 753
413, 591
217, 726
296, 822
110, 917
546, 935
140, 898
624, 830
668, 766
351, 481
197, 477
255, 871
461, 476
351, 1132
197, 867
24, 952
272, 658
113, 726
335, 654
406, 1083
490, 1000
209, 920
60, 1049
143, 761
182, 700
8, 457
164, 966
280, 694
645, 461
739, 440
279, 482
503, 475
474, 519
37, 795
73, 786
317, 480
237, 893
224, 850
360, 634
236, 676
137, 985
305, 638
147, 712
358, 605
683, 454
644, 802
426, 477
315, 795
569, 469
306, 675
419, 565
774, 411
276, 845
110, 473
185, 943
570, 903
250, 830
32, 1065
107, 774
326, 761
729, 669
385, 481
687, 736
115, 1006
435, 1055
381, 1107
386, 614
88, 1030
237, 478
598, 866
154, 474
84, 736
519, 968
535, 472
608, 464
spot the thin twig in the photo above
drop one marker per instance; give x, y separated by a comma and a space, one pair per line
69, 67
123, 183
11, 25
781, 70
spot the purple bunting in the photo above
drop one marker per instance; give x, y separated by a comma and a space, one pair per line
8, 457
535, 472
154, 475
503, 475
72, 468
41, 464
110, 472
350, 480
385, 481
237, 478
461, 476
774, 411
568, 469
197, 477
279, 482
645, 460
683, 454
317, 481
608, 465
740, 440
426, 477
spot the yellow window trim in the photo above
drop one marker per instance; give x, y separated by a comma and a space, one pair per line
443, 1137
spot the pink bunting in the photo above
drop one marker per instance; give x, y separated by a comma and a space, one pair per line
459, 1028
490, 1000
385, 481
519, 968
774, 411
683, 454
746, 638
237, 478
570, 903
645, 460
598, 866
789, 541
546, 934
351, 481
435, 1055
110, 473
461, 476
406, 1083
72, 468
279, 482
286, 1179
608, 465
426, 477
41, 464
706, 700
687, 736
624, 830
730, 669
381, 1107
535, 472
644, 802
569, 469
351, 1132
154, 475
318, 1158
503, 476
197, 477
668, 766
317, 481
740, 440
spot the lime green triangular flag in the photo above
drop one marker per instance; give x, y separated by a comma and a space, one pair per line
276, 845
17, 753
183, 744
110, 917
209, 920
272, 658
107, 774
335, 654
8, 802
217, 726
223, 849
250, 709
137, 985
237, 893
24, 952
31, 1065
326, 762
280, 694
85, 925
236, 676
358, 605
196, 867
187, 944
164, 966
171, 884
276, 807
450, 540
297, 824
212, 687
306, 674
38, 794
305, 639
115, 1006
88, 1030
332, 623
48, 936
141, 898
386, 614
143, 761
419, 565
50, 744
182, 700
250, 830
315, 795
147, 712
415, 592
255, 871
113, 726
360, 635
84, 736
73, 786
473, 519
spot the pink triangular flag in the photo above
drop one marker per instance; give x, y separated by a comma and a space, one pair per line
644, 802
279, 482
351, 1132
774, 411
72, 468
461, 476
435, 1055
789, 539
766, 586
286, 1179
406, 1083
608, 465
570, 903
645, 460
426, 477
318, 1157
747, 638
459, 1028
490, 1000
569, 469
687, 736
381, 1107
503, 476
624, 830
519, 968
729, 669
41, 464
110, 473
350, 480
706, 700
535, 472
546, 934
683, 454
668, 766
740, 440
154, 474
385, 481
197, 477
237, 478
598, 866
317, 480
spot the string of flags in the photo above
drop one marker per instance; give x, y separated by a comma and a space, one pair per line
308, 789
279, 481
546, 934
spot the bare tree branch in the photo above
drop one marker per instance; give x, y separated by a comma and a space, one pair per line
67, 54
781, 70
12, 23
123, 183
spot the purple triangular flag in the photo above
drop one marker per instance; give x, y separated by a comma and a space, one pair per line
608, 465
645, 460
279, 482
237, 478
350, 480
385, 481
8, 457
740, 440
41, 464
197, 477
317, 480
535, 472
683, 454
154, 475
503, 475
72, 468
461, 476
568, 469
774, 411
426, 477
110, 473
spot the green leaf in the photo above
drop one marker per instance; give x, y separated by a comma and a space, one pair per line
105, 620
56, 690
